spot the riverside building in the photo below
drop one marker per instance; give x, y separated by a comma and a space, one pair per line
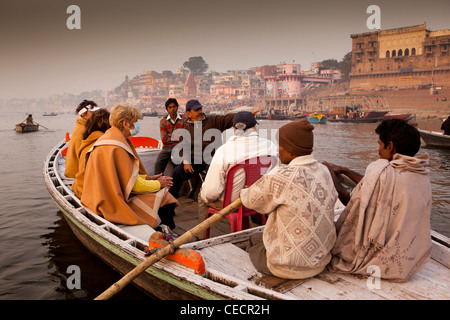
401, 58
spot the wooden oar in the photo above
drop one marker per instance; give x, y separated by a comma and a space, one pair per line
42, 126
184, 238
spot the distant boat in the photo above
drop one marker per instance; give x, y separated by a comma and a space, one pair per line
22, 127
50, 114
404, 116
150, 114
297, 116
276, 115
317, 118
356, 117
435, 139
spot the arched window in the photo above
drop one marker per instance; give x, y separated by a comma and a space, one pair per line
406, 52
394, 53
413, 51
388, 54
400, 52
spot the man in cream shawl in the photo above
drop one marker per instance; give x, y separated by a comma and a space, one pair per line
299, 198
386, 223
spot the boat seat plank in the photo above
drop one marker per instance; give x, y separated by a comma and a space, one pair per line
230, 260
278, 284
438, 274
335, 287
142, 232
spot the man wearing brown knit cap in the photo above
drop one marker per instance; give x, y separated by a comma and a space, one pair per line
299, 198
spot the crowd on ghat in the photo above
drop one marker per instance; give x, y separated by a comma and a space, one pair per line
385, 223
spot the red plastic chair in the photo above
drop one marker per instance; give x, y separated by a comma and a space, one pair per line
254, 169
145, 142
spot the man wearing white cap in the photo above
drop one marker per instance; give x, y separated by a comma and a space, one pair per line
245, 143
84, 111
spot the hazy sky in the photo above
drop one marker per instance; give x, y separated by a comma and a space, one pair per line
40, 56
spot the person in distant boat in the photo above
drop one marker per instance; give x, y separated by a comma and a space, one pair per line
386, 222
29, 119
167, 126
300, 198
446, 126
197, 124
244, 144
116, 185
95, 127
84, 111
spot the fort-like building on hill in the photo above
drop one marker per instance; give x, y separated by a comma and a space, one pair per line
407, 57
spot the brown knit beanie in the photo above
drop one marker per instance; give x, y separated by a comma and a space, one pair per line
297, 137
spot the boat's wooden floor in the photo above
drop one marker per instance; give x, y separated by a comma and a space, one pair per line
187, 217
229, 259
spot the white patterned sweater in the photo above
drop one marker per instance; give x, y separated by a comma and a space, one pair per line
300, 232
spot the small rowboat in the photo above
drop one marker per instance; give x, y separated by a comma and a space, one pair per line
228, 272
22, 127
435, 139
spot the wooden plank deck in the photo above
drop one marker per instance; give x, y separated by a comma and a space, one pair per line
187, 217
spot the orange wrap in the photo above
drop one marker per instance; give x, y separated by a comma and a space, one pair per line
73, 149
86, 145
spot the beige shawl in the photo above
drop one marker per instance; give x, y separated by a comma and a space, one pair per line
299, 232
387, 221
112, 166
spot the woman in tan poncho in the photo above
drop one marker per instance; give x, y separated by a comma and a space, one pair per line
112, 169
386, 223
95, 127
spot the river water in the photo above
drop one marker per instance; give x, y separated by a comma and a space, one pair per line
37, 246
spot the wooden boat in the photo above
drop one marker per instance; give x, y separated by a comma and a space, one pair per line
435, 139
229, 272
297, 116
150, 114
22, 127
277, 115
51, 114
356, 117
403, 116
317, 118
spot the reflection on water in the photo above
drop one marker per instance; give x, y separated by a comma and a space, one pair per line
65, 250
37, 246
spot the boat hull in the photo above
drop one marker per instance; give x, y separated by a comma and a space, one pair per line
27, 128
370, 117
435, 139
405, 116
276, 117
154, 282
